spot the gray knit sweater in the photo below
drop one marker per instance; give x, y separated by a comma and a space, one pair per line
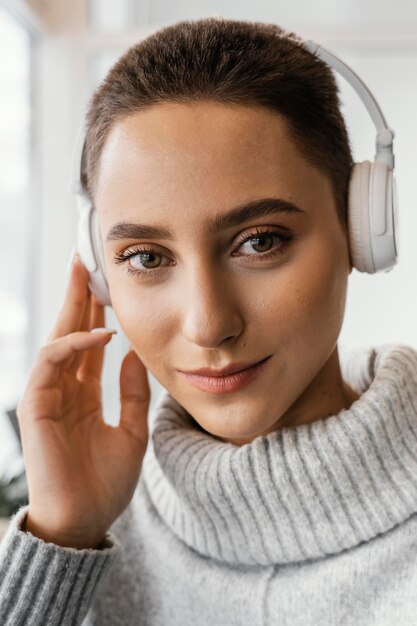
311, 525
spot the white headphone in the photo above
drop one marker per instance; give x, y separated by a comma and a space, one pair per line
372, 206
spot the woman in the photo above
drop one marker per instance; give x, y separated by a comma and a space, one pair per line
218, 162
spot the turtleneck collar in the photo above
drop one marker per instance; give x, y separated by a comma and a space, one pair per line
302, 492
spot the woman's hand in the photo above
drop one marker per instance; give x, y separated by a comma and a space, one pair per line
81, 472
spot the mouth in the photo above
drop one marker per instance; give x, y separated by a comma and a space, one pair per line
233, 368
225, 383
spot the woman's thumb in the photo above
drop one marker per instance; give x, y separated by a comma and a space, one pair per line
135, 396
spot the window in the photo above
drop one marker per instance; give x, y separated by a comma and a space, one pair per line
15, 216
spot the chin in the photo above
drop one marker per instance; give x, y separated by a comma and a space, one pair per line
233, 431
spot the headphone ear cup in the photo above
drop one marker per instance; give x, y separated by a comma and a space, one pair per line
100, 275
360, 244
90, 248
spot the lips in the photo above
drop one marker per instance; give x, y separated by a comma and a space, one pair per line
226, 383
225, 371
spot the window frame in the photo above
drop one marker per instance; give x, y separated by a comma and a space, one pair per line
24, 17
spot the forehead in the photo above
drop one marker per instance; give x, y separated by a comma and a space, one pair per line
215, 133
177, 159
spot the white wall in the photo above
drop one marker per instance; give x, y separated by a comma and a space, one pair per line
377, 38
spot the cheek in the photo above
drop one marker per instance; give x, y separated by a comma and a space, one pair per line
308, 301
147, 323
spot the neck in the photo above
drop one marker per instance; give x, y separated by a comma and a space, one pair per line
326, 395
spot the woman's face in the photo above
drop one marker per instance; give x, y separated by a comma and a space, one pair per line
198, 295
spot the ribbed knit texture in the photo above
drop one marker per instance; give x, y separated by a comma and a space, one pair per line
298, 493
314, 524
41, 583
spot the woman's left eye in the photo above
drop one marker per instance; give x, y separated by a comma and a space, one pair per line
261, 241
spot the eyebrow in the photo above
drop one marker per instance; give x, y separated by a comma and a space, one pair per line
233, 217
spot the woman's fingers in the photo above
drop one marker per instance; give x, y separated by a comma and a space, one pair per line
78, 357
92, 361
52, 357
73, 308
135, 396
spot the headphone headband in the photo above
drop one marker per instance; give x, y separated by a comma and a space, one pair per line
385, 135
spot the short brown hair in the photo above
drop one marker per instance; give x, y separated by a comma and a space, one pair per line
228, 61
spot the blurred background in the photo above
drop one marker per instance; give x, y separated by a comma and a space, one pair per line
53, 53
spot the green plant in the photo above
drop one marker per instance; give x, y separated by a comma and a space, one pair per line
13, 494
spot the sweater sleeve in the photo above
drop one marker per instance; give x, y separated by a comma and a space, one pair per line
43, 584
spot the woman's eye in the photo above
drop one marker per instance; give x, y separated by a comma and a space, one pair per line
261, 244
140, 261
147, 260
265, 244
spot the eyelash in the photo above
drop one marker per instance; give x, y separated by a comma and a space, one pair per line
284, 236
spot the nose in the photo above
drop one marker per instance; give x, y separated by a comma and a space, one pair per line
211, 308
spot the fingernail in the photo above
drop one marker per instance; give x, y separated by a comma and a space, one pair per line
104, 330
